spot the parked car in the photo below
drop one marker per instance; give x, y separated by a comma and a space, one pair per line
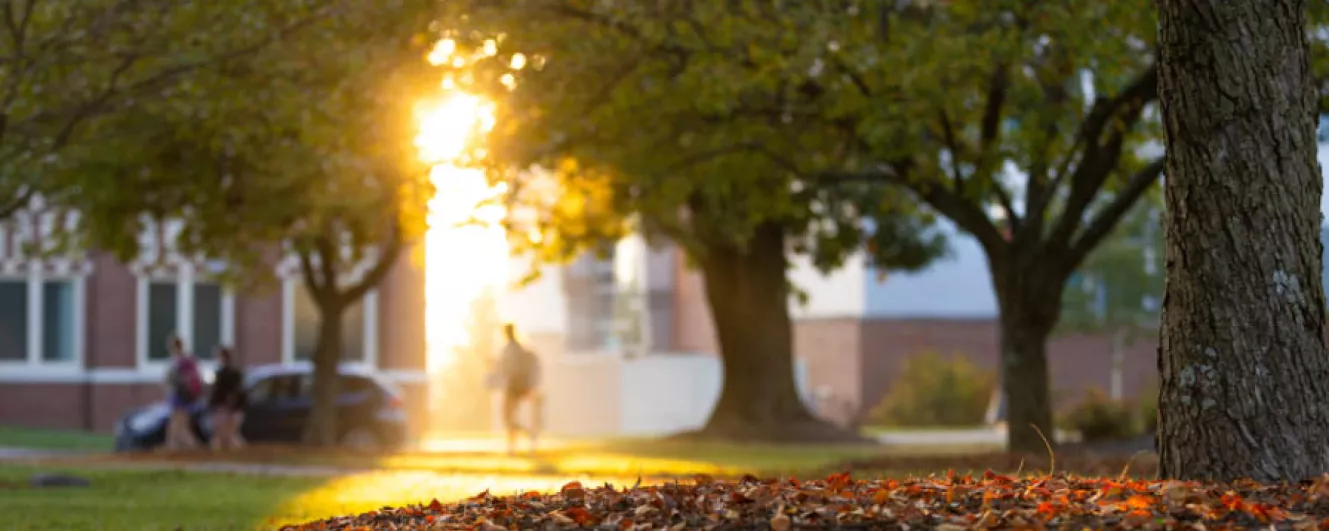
371, 413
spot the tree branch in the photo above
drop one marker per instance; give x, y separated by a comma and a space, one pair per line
1101, 157
1142, 90
956, 150
1102, 224
387, 256
968, 215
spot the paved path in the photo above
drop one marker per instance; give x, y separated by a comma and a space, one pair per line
31, 453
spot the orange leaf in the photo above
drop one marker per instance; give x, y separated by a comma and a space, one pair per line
579, 515
1047, 509
1139, 501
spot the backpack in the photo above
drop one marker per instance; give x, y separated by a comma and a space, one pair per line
524, 371
188, 378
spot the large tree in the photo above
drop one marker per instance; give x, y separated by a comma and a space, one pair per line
1019, 121
64, 63
304, 151
1245, 370
622, 116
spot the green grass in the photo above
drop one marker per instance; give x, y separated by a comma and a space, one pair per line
145, 500
13, 437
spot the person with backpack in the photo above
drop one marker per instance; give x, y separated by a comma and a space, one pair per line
518, 375
184, 386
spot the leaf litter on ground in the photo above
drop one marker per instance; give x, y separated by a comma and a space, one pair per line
951, 502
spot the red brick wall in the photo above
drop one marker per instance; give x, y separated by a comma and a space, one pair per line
111, 302
693, 329
401, 310
832, 349
72, 406
258, 319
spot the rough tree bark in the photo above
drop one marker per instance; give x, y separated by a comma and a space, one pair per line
748, 293
1245, 371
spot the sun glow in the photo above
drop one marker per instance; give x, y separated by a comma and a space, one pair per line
466, 250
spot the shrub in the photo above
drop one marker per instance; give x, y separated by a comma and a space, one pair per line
1148, 409
935, 390
1100, 418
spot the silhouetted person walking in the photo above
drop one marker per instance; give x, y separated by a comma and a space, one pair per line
518, 375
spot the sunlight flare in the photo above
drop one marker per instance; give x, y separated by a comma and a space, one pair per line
466, 250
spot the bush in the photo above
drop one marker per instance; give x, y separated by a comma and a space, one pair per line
935, 390
1100, 418
1149, 409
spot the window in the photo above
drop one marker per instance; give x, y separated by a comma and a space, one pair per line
207, 320
163, 318
58, 328
353, 347
13, 320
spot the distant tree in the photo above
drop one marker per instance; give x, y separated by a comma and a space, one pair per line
1243, 359
1119, 288
304, 150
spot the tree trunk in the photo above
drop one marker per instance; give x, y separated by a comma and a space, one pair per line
749, 299
1245, 372
322, 427
1025, 379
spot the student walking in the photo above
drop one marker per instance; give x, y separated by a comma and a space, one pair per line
518, 375
227, 402
184, 386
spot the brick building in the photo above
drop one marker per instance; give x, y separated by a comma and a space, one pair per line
82, 338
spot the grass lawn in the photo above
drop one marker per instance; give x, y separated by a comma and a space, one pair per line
166, 500
146, 500
12, 437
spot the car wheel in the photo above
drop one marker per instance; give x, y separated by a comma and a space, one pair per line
360, 439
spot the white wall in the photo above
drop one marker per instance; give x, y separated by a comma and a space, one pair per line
538, 308
668, 394
601, 394
839, 294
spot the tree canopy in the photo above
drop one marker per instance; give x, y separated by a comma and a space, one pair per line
65, 63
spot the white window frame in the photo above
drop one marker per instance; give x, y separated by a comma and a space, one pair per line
35, 278
290, 285
184, 280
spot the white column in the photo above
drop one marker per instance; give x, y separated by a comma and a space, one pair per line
288, 319
184, 305
141, 319
371, 329
35, 314
228, 318
80, 318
